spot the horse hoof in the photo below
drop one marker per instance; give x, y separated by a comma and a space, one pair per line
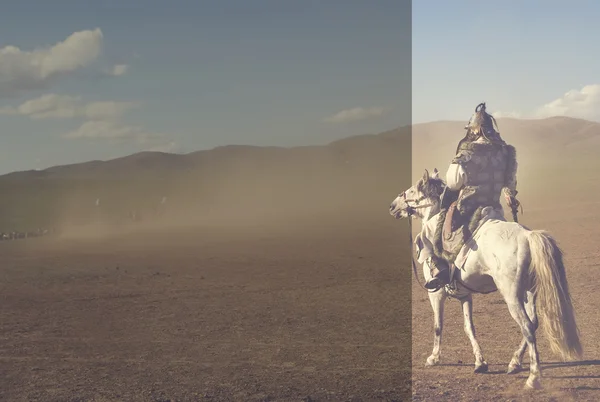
432, 361
533, 383
482, 368
514, 369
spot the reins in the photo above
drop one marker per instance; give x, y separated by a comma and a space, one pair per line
461, 283
411, 210
412, 256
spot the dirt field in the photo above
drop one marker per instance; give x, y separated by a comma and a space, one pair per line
262, 313
315, 313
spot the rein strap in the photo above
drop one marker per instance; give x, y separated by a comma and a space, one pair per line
411, 210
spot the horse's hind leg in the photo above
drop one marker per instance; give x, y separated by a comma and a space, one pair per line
481, 365
437, 300
515, 364
517, 311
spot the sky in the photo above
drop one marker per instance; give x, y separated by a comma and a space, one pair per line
97, 80
525, 58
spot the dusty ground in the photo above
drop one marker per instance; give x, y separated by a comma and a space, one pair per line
263, 313
317, 313
499, 336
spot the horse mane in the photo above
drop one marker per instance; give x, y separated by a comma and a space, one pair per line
432, 188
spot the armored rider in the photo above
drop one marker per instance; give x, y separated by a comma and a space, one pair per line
484, 167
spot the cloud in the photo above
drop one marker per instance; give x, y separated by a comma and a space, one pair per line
581, 103
27, 70
119, 70
53, 106
111, 130
108, 109
356, 114
102, 118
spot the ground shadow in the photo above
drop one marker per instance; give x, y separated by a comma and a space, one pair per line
503, 371
545, 367
582, 363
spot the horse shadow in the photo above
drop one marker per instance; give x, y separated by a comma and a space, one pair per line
544, 366
582, 363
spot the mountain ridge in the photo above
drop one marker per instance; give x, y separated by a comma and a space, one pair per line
424, 135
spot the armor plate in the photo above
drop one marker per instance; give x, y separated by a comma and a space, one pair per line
486, 166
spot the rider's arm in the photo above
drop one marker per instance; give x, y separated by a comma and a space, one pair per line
456, 177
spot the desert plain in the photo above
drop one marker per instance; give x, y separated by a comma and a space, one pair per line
278, 275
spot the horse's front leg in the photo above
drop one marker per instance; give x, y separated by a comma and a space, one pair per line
437, 300
481, 365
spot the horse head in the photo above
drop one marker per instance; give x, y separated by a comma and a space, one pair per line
421, 199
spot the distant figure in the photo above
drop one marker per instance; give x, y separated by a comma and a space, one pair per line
163, 206
135, 215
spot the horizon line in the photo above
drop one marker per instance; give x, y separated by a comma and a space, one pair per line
290, 147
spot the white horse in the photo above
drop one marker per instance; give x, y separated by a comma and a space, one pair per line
524, 265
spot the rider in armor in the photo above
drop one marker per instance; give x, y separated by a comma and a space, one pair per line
484, 167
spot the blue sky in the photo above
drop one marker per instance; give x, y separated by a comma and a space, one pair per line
186, 75
521, 57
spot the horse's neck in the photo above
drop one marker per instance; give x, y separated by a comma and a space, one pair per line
431, 212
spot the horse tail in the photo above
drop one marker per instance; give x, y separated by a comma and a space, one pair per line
552, 293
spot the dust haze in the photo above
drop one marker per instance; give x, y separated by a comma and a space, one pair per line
238, 187
245, 189
274, 274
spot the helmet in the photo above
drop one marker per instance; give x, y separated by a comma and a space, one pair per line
482, 123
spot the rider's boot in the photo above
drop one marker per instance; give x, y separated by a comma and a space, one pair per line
440, 272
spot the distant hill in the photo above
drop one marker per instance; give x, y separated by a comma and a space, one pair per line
228, 182
555, 136
354, 174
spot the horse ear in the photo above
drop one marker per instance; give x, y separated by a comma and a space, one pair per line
425, 176
435, 174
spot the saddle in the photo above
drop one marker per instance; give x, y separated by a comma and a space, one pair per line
454, 231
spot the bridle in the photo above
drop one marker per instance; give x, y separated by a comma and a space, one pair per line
412, 209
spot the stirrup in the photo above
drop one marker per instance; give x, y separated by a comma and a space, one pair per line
434, 284
442, 279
